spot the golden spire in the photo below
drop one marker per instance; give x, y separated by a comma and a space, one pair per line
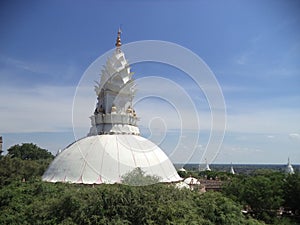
118, 41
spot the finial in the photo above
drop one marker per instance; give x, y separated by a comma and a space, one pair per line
118, 41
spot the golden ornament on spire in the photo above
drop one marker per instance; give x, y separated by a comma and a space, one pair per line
118, 41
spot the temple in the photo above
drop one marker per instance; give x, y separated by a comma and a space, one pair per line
231, 169
207, 168
113, 146
289, 167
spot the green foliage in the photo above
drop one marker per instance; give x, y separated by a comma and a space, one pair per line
292, 193
15, 169
39, 202
183, 174
28, 151
137, 177
221, 210
263, 196
264, 192
23, 162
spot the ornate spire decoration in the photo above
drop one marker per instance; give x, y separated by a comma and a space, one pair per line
118, 41
114, 113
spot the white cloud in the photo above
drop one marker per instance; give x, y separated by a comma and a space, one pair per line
294, 136
49, 108
42, 109
264, 121
35, 72
33, 67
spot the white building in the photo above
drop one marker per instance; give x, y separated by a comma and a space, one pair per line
231, 169
207, 168
289, 168
113, 146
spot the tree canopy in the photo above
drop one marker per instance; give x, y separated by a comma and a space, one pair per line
138, 177
28, 151
23, 162
264, 192
292, 192
47, 203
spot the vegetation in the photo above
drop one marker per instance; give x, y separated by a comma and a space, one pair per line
25, 199
28, 151
137, 177
23, 162
291, 193
39, 202
14, 169
264, 193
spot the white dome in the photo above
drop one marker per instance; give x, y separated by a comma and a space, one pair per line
182, 170
106, 158
191, 181
182, 185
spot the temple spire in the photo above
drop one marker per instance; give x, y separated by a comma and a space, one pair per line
231, 169
207, 168
289, 167
114, 112
118, 41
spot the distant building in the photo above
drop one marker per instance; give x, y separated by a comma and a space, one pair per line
211, 185
232, 170
289, 169
207, 168
192, 182
182, 170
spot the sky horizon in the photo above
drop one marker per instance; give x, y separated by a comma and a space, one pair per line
252, 47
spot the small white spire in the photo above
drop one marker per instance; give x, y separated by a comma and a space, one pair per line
289, 167
207, 166
231, 169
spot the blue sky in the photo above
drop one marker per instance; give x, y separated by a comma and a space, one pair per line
253, 48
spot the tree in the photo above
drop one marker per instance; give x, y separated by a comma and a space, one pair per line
218, 209
263, 196
138, 177
12, 169
292, 193
39, 202
262, 192
23, 162
29, 151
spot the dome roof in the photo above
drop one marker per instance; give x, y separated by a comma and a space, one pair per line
182, 170
106, 158
191, 181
